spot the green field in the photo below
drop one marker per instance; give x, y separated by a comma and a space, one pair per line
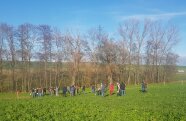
161, 103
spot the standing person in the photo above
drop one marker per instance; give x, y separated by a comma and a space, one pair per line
118, 89
93, 88
39, 92
57, 91
111, 88
122, 88
83, 89
74, 92
98, 89
68, 89
102, 89
142, 86
72, 89
33, 92
44, 91
64, 90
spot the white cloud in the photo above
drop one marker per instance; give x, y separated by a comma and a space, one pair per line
162, 16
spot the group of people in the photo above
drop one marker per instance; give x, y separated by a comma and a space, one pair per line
99, 89
72, 90
39, 92
121, 89
102, 88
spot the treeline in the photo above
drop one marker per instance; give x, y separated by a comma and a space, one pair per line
43, 56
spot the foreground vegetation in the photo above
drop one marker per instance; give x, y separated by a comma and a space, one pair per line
160, 103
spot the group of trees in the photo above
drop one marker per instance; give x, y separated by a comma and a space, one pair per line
43, 56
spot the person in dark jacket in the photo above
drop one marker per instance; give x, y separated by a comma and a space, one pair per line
64, 90
74, 93
83, 89
44, 91
122, 88
143, 86
33, 93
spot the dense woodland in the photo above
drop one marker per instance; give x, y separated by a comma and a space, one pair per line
45, 56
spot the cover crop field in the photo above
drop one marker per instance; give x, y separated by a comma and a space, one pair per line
160, 103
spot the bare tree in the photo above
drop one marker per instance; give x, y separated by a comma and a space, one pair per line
122, 60
59, 53
76, 48
161, 41
169, 67
9, 33
107, 53
45, 39
142, 32
2, 45
95, 35
26, 38
127, 31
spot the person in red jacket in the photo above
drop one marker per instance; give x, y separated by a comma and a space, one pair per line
111, 88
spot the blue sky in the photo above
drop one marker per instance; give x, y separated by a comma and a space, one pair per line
85, 14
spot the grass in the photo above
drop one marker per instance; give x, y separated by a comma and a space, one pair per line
161, 103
